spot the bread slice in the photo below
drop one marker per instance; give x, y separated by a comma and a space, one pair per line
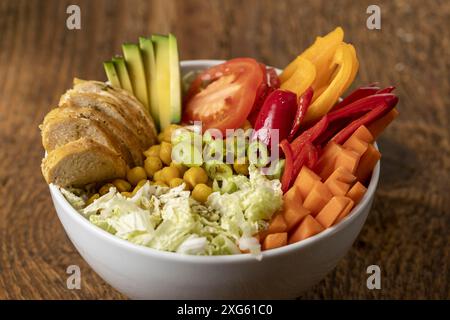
81, 162
62, 129
129, 104
128, 143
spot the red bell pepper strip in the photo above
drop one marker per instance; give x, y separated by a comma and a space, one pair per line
310, 135
277, 113
288, 166
273, 80
362, 106
366, 119
356, 95
307, 156
386, 90
303, 103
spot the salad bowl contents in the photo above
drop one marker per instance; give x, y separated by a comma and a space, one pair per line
229, 169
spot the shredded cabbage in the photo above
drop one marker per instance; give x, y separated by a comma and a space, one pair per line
170, 220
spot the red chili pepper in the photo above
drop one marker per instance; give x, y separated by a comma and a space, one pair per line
366, 119
356, 95
277, 113
310, 135
303, 103
288, 166
386, 90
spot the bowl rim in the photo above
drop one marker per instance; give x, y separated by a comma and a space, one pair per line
245, 257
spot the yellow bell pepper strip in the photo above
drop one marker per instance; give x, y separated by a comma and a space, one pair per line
302, 78
320, 54
343, 58
355, 66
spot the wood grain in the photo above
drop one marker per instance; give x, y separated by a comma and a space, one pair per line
406, 233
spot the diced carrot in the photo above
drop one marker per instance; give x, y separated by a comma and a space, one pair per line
356, 192
293, 210
356, 144
317, 198
339, 181
379, 125
325, 164
368, 161
305, 181
275, 240
364, 134
276, 225
347, 159
306, 229
332, 210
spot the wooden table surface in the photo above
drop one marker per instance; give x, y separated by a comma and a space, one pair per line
407, 232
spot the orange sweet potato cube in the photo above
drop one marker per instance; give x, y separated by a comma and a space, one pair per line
379, 125
356, 192
364, 134
332, 210
278, 224
293, 210
305, 181
347, 159
326, 163
307, 228
356, 144
317, 198
368, 161
339, 181
275, 240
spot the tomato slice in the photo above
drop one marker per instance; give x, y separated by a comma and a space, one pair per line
229, 92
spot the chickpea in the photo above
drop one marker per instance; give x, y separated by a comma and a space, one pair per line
161, 137
136, 174
157, 175
201, 192
160, 183
181, 168
165, 153
175, 182
105, 189
127, 194
168, 131
139, 185
241, 167
169, 173
122, 185
195, 175
92, 198
151, 165
153, 151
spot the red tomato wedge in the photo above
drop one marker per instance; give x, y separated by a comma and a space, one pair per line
230, 92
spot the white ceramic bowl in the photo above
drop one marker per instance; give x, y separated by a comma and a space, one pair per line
144, 273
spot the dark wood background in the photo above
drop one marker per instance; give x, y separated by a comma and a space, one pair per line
407, 232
